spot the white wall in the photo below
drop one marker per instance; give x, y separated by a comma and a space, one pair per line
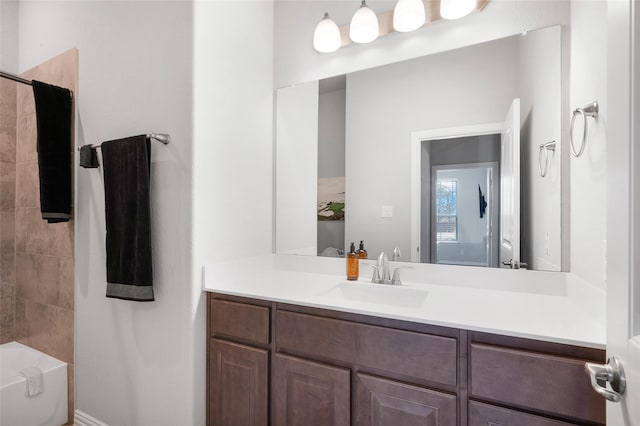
9, 36
541, 103
331, 115
233, 145
297, 172
135, 363
386, 104
589, 172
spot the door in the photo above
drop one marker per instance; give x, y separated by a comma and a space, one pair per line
307, 393
381, 402
510, 188
623, 207
239, 384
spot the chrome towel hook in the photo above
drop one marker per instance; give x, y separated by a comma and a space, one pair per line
590, 110
545, 148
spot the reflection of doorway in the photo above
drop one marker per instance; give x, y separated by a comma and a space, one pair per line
443, 143
465, 229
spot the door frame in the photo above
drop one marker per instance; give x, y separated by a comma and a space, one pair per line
417, 138
623, 205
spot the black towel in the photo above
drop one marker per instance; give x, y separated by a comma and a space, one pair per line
126, 166
88, 157
53, 117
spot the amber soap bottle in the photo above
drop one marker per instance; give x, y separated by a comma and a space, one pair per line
362, 253
352, 264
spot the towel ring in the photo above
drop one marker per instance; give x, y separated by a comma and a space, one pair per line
590, 110
545, 148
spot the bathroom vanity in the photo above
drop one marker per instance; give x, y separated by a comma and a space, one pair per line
292, 347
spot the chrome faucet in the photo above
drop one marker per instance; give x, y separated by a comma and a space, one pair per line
382, 267
382, 271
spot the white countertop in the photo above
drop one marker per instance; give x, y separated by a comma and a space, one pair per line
553, 307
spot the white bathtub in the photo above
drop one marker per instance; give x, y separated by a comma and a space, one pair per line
50, 407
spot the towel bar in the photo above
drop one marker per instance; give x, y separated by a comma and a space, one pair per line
163, 138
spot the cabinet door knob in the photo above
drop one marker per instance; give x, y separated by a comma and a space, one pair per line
611, 372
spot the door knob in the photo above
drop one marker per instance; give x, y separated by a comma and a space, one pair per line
611, 372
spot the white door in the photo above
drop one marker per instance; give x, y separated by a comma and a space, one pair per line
510, 188
623, 206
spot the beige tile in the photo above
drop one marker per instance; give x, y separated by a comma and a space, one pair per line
61, 239
25, 102
71, 387
26, 272
38, 235
8, 97
26, 138
60, 338
37, 278
19, 319
7, 186
6, 319
36, 326
66, 283
21, 230
7, 138
7, 253
27, 184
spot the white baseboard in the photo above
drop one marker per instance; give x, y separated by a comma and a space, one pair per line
83, 419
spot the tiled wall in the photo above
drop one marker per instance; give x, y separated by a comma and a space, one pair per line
7, 208
42, 281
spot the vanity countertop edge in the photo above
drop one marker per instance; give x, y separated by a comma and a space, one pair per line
551, 314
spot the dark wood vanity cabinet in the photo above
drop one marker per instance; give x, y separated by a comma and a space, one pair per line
288, 365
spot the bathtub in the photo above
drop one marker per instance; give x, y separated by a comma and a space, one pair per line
50, 407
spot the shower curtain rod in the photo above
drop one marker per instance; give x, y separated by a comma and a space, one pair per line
160, 137
14, 77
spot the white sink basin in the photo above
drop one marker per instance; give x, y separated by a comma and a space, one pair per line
378, 294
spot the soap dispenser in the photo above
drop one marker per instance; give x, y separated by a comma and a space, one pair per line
362, 253
352, 264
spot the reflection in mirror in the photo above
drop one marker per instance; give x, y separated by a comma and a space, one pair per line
436, 157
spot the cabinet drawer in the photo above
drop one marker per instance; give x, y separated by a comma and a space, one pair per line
240, 320
541, 382
489, 415
421, 356
381, 402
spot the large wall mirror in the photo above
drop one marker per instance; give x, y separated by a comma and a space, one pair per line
451, 158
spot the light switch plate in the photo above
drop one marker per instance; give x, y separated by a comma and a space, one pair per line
387, 211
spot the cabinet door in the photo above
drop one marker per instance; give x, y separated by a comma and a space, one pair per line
238, 384
307, 393
381, 402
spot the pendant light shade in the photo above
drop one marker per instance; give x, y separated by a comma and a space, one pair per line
454, 9
326, 37
364, 25
408, 15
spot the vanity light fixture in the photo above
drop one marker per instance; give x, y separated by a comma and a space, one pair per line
455, 9
364, 25
408, 15
326, 38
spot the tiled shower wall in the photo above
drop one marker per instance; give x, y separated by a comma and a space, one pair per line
7, 208
41, 279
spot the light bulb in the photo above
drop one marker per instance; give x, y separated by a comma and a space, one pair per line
364, 25
454, 9
408, 15
326, 38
